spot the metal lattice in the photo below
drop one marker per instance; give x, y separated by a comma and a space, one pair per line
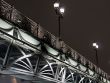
39, 54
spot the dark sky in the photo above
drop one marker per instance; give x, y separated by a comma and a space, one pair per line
85, 21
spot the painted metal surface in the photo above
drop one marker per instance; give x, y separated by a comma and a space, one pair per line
30, 52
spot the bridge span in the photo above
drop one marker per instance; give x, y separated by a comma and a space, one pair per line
29, 52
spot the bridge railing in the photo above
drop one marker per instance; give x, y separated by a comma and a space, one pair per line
9, 13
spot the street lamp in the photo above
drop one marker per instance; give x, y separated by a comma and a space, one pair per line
62, 10
59, 12
95, 45
56, 5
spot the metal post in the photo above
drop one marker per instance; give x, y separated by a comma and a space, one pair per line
11, 15
7, 55
96, 54
59, 26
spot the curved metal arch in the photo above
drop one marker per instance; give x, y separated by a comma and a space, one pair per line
49, 63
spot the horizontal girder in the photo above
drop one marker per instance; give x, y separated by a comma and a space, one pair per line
28, 58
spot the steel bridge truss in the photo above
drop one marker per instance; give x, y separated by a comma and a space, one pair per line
29, 52
28, 58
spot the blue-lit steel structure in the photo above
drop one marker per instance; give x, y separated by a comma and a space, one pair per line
29, 52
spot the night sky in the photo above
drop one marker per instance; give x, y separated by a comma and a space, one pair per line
84, 22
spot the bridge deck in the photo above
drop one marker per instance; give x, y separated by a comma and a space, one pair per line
20, 29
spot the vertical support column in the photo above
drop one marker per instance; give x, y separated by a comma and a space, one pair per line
6, 56
12, 9
59, 27
64, 76
35, 70
97, 61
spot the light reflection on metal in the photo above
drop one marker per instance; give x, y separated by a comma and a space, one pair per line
49, 60
42, 58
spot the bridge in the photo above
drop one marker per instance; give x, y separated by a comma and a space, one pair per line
29, 52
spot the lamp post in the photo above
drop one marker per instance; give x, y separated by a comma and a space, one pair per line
95, 45
59, 12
